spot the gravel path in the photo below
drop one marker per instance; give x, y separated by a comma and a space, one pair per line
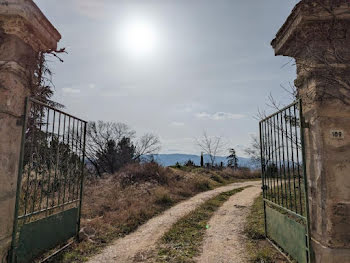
224, 240
139, 245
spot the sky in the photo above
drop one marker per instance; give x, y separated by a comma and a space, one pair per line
175, 68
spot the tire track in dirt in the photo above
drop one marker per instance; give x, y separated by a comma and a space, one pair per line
224, 241
140, 245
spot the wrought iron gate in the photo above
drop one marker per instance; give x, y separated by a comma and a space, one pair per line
284, 182
50, 181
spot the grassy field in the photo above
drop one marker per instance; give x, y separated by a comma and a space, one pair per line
183, 241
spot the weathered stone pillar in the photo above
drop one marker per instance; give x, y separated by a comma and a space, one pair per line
318, 37
24, 32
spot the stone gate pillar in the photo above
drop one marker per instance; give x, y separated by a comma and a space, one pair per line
318, 37
24, 31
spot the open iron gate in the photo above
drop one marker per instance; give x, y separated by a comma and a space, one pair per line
50, 181
285, 183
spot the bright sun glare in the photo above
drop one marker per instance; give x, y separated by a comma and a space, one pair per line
138, 38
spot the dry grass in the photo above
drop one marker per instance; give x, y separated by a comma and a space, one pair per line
116, 205
259, 249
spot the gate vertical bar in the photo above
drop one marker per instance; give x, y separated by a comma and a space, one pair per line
263, 174
82, 179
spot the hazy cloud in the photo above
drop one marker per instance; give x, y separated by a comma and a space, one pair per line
91, 8
219, 116
177, 124
70, 91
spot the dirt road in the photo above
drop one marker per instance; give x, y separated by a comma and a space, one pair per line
139, 246
223, 240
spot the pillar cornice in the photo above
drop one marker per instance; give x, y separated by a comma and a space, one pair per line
289, 41
25, 20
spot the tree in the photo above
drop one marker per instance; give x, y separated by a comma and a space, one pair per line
211, 146
190, 163
115, 156
99, 136
232, 159
148, 144
125, 152
253, 151
41, 85
110, 145
202, 159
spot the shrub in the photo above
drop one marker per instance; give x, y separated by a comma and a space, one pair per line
177, 165
162, 197
146, 172
216, 178
202, 185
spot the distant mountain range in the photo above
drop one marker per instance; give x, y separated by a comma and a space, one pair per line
172, 159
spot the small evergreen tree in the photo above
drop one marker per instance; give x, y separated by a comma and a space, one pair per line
190, 163
126, 152
232, 159
115, 156
202, 159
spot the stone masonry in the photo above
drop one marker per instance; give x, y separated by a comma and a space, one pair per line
317, 35
24, 31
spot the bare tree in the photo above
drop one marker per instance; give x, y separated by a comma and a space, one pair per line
106, 137
253, 151
148, 144
212, 146
99, 134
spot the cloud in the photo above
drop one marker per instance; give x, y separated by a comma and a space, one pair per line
219, 116
177, 124
70, 91
186, 108
91, 8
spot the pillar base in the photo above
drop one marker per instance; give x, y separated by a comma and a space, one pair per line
4, 245
323, 254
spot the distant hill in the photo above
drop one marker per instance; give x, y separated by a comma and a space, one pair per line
172, 159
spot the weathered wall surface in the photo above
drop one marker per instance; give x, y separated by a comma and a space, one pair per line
24, 31
319, 41
14, 79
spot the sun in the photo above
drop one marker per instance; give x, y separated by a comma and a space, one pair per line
138, 38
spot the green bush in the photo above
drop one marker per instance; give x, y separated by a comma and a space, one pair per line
203, 185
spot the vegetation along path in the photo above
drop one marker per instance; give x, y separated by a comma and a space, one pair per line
223, 240
141, 244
